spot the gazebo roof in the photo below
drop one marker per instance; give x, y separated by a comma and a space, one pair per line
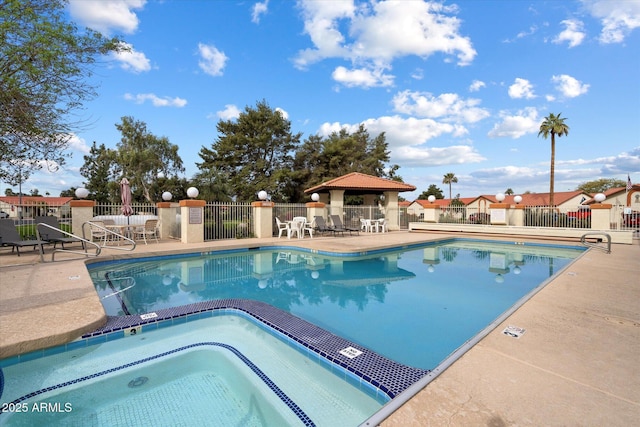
360, 183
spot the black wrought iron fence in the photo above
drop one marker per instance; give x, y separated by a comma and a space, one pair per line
228, 221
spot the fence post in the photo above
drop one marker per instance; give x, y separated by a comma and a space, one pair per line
315, 209
81, 212
499, 213
431, 212
192, 221
166, 217
336, 207
517, 216
600, 216
263, 219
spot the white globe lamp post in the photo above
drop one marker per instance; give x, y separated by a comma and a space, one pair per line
166, 196
82, 193
192, 192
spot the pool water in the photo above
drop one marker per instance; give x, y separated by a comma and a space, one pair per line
204, 372
415, 306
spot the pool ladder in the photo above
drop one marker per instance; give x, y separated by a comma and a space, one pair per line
596, 245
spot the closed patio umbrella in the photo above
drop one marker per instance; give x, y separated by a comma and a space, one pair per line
125, 194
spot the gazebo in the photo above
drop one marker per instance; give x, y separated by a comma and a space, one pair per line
368, 186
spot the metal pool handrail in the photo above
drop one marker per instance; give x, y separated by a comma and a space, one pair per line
112, 233
71, 251
583, 240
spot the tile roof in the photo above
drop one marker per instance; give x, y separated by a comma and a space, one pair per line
540, 199
35, 200
361, 183
445, 202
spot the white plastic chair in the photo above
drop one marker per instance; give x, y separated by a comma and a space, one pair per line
382, 223
282, 226
297, 227
98, 232
365, 225
150, 229
308, 227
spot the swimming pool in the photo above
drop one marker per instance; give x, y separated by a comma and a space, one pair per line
223, 369
414, 305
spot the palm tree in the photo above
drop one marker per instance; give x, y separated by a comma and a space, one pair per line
449, 179
553, 125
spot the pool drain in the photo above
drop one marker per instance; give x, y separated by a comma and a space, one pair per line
137, 382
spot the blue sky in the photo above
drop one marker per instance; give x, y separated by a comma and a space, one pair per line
457, 86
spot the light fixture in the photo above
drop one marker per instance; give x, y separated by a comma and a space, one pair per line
431, 198
600, 197
166, 196
192, 192
315, 197
82, 193
517, 199
500, 197
262, 195
315, 274
499, 278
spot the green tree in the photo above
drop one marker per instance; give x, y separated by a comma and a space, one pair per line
254, 151
213, 185
449, 179
508, 192
143, 158
322, 158
553, 125
45, 62
99, 170
601, 185
433, 190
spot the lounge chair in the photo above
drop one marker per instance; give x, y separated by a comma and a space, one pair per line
9, 236
337, 223
322, 227
52, 233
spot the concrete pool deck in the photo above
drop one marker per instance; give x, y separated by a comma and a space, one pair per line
578, 363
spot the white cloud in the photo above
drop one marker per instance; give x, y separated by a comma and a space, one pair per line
258, 10
516, 126
107, 16
78, 144
212, 60
362, 77
573, 33
618, 18
448, 106
131, 60
156, 101
372, 36
522, 88
569, 86
230, 112
407, 138
476, 85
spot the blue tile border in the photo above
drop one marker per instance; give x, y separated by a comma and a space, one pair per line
281, 394
377, 374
